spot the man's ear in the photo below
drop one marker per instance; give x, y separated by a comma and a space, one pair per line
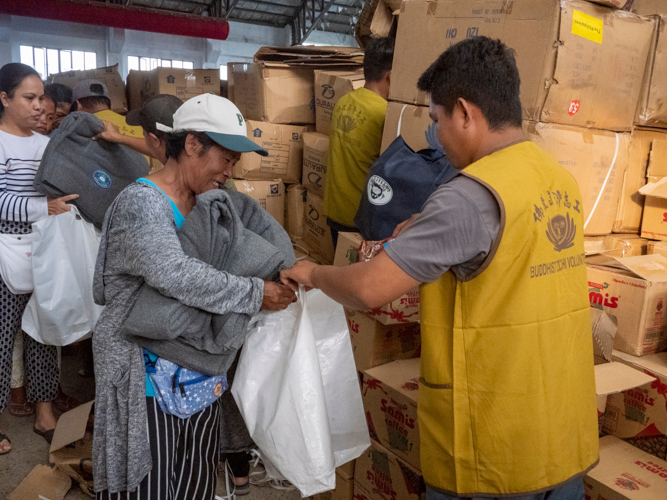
468, 110
388, 77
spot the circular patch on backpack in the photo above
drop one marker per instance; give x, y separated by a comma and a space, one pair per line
102, 179
379, 191
217, 390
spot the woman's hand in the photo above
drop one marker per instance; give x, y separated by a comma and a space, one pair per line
299, 273
59, 206
276, 297
111, 133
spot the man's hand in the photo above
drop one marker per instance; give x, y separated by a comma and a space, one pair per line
111, 133
299, 273
59, 206
276, 297
404, 225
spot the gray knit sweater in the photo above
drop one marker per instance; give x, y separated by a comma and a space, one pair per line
139, 244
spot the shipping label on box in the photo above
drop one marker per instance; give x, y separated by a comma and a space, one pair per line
597, 160
390, 394
344, 489
635, 293
315, 158
109, 76
375, 344
639, 415
625, 473
405, 309
285, 146
413, 123
274, 93
316, 232
570, 69
269, 194
386, 477
329, 87
294, 211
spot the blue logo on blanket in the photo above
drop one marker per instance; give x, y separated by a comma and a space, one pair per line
102, 179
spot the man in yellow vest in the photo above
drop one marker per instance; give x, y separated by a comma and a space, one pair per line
507, 391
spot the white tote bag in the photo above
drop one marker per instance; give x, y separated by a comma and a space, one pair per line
296, 386
61, 309
16, 262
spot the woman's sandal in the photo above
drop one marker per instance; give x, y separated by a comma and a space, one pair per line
64, 403
4, 437
48, 435
24, 409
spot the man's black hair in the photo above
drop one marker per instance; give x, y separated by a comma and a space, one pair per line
378, 58
483, 72
58, 93
176, 143
92, 101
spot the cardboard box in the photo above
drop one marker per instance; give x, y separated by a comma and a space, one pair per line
614, 378
361, 494
655, 205
386, 477
639, 415
72, 446
109, 76
574, 57
625, 473
405, 309
274, 93
597, 159
285, 146
648, 7
269, 194
294, 211
631, 203
411, 122
329, 87
634, 291
657, 247
183, 83
375, 344
316, 232
133, 84
375, 20
43, 482
344, 489
617, 245
390, 394
652, 105
303, 252
346, 470
315, 158
230, 82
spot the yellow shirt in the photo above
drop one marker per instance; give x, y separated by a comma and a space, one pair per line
354, 145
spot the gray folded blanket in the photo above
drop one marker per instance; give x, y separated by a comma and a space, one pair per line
231, 232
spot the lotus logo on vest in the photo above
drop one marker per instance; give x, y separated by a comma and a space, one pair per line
561, 231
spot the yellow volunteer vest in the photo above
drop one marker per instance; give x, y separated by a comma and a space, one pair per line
119, 121
507, 394
355, 138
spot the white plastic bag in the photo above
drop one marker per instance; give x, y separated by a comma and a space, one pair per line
61, 309
296, 386
15, 262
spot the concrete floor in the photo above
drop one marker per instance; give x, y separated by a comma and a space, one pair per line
29, 449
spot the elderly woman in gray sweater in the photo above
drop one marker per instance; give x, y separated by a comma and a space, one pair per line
139, 451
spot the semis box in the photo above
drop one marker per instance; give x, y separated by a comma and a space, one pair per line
574, 57
639, 415
634, 291
344, 489
390, 394
375, 344
411, 122
315, 158
285, 146
625, 473
269, 194
274, 92
329, 87
597, 159
386, 477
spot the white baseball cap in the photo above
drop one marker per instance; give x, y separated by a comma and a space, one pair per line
219, 118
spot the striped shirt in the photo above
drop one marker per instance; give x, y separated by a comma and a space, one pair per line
19, 161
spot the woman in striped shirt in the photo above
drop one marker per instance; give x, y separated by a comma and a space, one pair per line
21, 150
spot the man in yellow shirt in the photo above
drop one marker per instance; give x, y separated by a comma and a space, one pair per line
356, 134
507, 405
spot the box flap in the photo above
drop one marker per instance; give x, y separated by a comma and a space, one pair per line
614, 377
649, 267
43, 482
71, 426
656, 363
401, 375
657, 163
657, 188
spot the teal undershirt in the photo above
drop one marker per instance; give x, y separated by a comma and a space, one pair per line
178, 220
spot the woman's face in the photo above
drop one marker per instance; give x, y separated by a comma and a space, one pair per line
45, 123
212, 169
24, 108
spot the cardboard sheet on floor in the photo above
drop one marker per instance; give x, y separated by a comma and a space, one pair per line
43, 482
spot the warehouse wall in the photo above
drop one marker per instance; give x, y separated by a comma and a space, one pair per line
113, 45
